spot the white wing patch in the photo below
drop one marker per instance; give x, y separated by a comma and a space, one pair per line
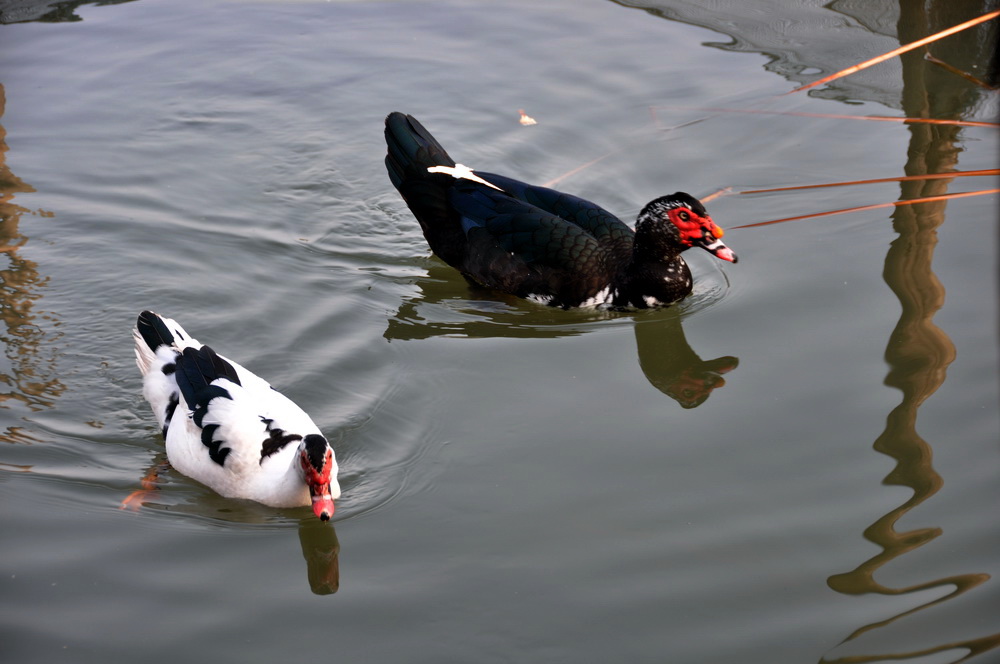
541, 299
602, 297
461, 172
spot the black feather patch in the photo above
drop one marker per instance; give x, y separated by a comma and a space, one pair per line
207, 436
276, 441
316, 449
203, 398
210, 365
196, 370
153, 330
219, 454
216, 452
171, 407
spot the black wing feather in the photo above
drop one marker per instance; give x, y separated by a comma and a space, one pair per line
197, 368
154, 331
562, 258
411, 151
610, 231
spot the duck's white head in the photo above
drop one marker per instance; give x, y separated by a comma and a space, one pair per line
320, 469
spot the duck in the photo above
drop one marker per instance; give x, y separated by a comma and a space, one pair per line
227, 428
541, 244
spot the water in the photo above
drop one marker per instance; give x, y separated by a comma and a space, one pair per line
799, 463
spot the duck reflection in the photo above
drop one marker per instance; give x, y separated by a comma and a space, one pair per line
318, 539
483, 313
673, 367
321, 549
666, 358
28, 377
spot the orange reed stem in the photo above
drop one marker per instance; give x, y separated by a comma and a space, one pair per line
903, 178
928, 199
898, 51
835, 116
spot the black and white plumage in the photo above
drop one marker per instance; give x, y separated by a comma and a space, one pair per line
227, 427
542, 244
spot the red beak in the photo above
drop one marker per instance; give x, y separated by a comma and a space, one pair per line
720, 250
322, 501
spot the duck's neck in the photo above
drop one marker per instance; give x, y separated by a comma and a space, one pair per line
652, 283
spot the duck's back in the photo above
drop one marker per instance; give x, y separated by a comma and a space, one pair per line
527, 251
610, 232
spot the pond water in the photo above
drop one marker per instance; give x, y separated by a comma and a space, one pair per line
799, 463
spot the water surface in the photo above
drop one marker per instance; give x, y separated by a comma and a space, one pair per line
797, 464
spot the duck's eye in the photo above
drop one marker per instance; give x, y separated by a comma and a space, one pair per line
684, 215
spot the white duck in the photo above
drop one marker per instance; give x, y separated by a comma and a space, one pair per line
227, 427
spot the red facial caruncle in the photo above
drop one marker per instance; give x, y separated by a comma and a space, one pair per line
318, 481
699, 231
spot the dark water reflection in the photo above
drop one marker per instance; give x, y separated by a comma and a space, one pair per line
666, 358
483, 313
673, 367
918, 351
318, 540
321, 549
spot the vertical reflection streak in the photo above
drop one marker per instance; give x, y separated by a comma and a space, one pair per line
918, 352
31, 378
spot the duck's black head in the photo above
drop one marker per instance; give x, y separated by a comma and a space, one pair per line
671, 224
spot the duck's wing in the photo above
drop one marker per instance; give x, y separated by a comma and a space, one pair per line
237, 410
523, 249
610, 231
218, 406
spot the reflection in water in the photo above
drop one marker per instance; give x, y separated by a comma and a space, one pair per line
493, 315
321, 549
918, 352
673, 367
318, 539
665, 357
47, 11
811, 38
29, 373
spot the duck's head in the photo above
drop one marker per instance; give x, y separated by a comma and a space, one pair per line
678, 222
320, 469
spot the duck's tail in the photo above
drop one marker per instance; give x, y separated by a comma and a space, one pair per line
153, 331
411, 150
